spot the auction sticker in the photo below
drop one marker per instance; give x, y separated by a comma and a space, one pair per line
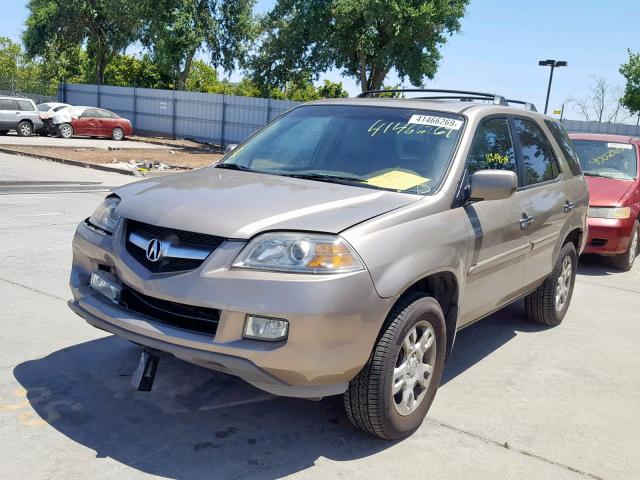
434, 121
626, 146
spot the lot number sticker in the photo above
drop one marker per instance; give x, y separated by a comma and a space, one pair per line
626, 146
436, 121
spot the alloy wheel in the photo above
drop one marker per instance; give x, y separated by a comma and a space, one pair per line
414, 368
563, 285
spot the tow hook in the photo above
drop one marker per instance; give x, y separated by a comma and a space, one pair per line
142, 379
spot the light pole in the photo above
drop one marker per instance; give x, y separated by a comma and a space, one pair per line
553, 64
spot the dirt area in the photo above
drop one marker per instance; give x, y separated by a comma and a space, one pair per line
190, 156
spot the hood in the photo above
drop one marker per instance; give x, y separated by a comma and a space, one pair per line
235, 204
604, 192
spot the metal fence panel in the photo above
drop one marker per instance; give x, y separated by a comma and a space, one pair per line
626, 129
214, 118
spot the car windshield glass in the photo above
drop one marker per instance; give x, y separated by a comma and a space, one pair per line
43, 107
607, 159
375, 147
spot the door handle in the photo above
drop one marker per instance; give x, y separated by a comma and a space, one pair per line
568, 206
525, 221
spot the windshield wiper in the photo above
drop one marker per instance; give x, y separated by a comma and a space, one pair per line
323, 177
595, 174
233, 166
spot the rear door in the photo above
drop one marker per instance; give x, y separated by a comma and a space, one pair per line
9, 114
500, 247
542, 181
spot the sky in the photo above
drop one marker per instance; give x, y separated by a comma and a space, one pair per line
500, 43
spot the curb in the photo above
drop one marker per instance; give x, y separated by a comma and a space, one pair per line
75, 163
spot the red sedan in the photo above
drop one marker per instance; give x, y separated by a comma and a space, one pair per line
611, 164
94, 122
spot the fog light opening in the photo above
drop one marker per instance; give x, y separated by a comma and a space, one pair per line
265, 328
107, 285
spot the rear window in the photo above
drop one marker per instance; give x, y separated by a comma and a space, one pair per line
563, 140
8, 104
373, 147
607, 159
26, 106
43, 107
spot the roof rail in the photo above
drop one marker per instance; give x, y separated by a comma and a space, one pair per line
527, 105
458, 94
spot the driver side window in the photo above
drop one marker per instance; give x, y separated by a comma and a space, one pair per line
492, 147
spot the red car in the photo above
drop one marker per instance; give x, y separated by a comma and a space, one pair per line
611, 165
91, 122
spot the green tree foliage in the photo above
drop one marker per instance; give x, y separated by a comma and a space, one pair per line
128, 71
366, 39
107, 27
11, 58
176, 30
631, 71
332, 90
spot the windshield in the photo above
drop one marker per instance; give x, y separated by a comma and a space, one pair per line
385, 148
43, 107
607, 159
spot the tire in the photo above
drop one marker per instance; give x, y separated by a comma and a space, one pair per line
117, 134
65, 130
369, 400
625, 260
550, 302
24, 129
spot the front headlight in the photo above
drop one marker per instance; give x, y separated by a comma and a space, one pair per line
105, 217
299, 253
609, 212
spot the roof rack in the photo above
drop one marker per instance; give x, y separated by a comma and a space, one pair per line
458, 94
527, 105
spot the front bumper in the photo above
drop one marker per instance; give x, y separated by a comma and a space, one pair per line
608, 236
334, 320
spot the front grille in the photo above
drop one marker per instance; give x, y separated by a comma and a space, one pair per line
177, 237
179, 315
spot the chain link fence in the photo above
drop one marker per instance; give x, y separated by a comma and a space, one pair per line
37, 90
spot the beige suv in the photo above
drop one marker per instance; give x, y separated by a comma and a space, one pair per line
340, 248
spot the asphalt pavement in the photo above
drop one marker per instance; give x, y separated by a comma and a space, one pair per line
517, 401
12, 139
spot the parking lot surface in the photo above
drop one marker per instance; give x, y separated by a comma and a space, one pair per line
75, 142
517, 400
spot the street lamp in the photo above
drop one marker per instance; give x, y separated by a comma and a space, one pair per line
553, 64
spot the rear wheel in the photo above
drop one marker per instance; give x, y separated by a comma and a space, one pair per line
25, 129
117, 134
550, 302
65, 130
625, 260
391, 395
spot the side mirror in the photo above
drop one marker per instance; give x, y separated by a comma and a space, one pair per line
229, 147
493, 184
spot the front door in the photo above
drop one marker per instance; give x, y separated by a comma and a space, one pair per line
88, 123
500, 246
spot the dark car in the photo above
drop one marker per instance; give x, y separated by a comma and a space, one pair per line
611, 165
91, 122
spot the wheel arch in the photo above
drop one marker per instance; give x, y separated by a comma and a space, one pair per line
444, 287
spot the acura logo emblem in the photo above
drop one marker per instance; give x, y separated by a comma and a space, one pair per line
154, 250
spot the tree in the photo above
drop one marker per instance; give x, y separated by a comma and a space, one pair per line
631, 72
10, 58
332, 90
107, 27
177, 29
365, 39
604, 104
128, 70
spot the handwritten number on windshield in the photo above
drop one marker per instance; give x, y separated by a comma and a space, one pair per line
380, 127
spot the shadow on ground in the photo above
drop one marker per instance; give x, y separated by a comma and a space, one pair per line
596, 266
197, 423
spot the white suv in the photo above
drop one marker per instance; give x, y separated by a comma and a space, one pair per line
19, 114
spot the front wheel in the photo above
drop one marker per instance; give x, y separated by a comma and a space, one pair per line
625, 260
117, 134
392, 393
65, 131
25, 129
549, 303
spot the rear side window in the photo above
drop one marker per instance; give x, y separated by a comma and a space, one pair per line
106, 114
8, 104
539, 163
492, 147
560, 135
26, 106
